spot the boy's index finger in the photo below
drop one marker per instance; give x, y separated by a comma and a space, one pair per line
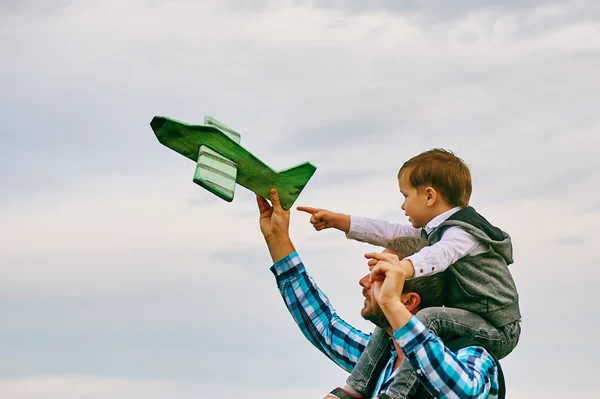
307, 209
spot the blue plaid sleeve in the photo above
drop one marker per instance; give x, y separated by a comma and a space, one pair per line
470, 373
315, 316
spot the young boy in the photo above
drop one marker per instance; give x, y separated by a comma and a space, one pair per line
482, 301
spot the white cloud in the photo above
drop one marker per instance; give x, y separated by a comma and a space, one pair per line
67, 387
511, 90
92, 387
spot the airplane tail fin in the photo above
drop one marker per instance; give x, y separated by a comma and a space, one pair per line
291, 182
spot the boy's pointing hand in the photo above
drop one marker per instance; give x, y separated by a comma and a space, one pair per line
324, 219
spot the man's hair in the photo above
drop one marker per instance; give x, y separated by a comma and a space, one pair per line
431, 288
442, 170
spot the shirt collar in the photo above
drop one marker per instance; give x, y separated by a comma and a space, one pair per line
439, 219
392, 346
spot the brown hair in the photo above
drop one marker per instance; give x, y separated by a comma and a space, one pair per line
442, 170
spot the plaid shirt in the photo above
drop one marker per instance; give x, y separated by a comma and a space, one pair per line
471, 372
315, 316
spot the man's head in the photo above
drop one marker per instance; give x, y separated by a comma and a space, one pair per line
418, 293
432, 182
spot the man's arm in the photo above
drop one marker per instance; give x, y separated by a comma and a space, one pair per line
470, 373
275, 224
309, 307
315, 316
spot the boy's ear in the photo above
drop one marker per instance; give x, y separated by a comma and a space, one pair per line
431, 195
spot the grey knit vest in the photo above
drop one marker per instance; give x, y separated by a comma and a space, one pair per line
481, 284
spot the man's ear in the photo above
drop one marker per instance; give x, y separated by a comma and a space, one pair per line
430, 195
411, 301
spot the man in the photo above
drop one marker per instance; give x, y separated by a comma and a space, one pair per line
470, 372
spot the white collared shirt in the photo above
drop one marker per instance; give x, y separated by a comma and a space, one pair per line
454, 244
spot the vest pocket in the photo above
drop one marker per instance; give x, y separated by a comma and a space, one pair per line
460, 297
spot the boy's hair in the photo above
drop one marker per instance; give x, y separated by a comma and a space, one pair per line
442, 170
430, 287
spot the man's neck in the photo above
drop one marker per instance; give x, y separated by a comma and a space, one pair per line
399, 353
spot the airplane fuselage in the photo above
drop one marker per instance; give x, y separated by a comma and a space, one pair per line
252, 173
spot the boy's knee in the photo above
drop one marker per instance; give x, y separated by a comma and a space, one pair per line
371, 362
430, 316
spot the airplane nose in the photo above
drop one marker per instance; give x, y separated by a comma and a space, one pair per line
157, 123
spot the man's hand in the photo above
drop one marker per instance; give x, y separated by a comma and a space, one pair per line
274, 220
405, 264
274, 225
324, 219
388, 278
390, 290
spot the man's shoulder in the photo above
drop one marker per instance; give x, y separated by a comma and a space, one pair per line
460, 343
477, 350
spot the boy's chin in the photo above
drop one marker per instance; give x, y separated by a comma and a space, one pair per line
413, 224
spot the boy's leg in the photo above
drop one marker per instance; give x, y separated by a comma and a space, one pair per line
404, 383
512, 332
448, 323
363, 378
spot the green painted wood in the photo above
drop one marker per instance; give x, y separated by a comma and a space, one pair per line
232, 134
214, 172
252, 173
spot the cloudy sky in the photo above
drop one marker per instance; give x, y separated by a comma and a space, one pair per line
120, 278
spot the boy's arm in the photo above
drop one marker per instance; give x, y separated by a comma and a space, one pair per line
324, 219
454, 244
378, 232
372, 231
315, 316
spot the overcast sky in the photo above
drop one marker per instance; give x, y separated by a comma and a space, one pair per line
120, 278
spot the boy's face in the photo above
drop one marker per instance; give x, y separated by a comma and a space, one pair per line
415, 203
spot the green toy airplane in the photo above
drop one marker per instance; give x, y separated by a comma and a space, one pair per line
221, 161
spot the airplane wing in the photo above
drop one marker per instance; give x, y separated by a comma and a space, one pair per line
215, 172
